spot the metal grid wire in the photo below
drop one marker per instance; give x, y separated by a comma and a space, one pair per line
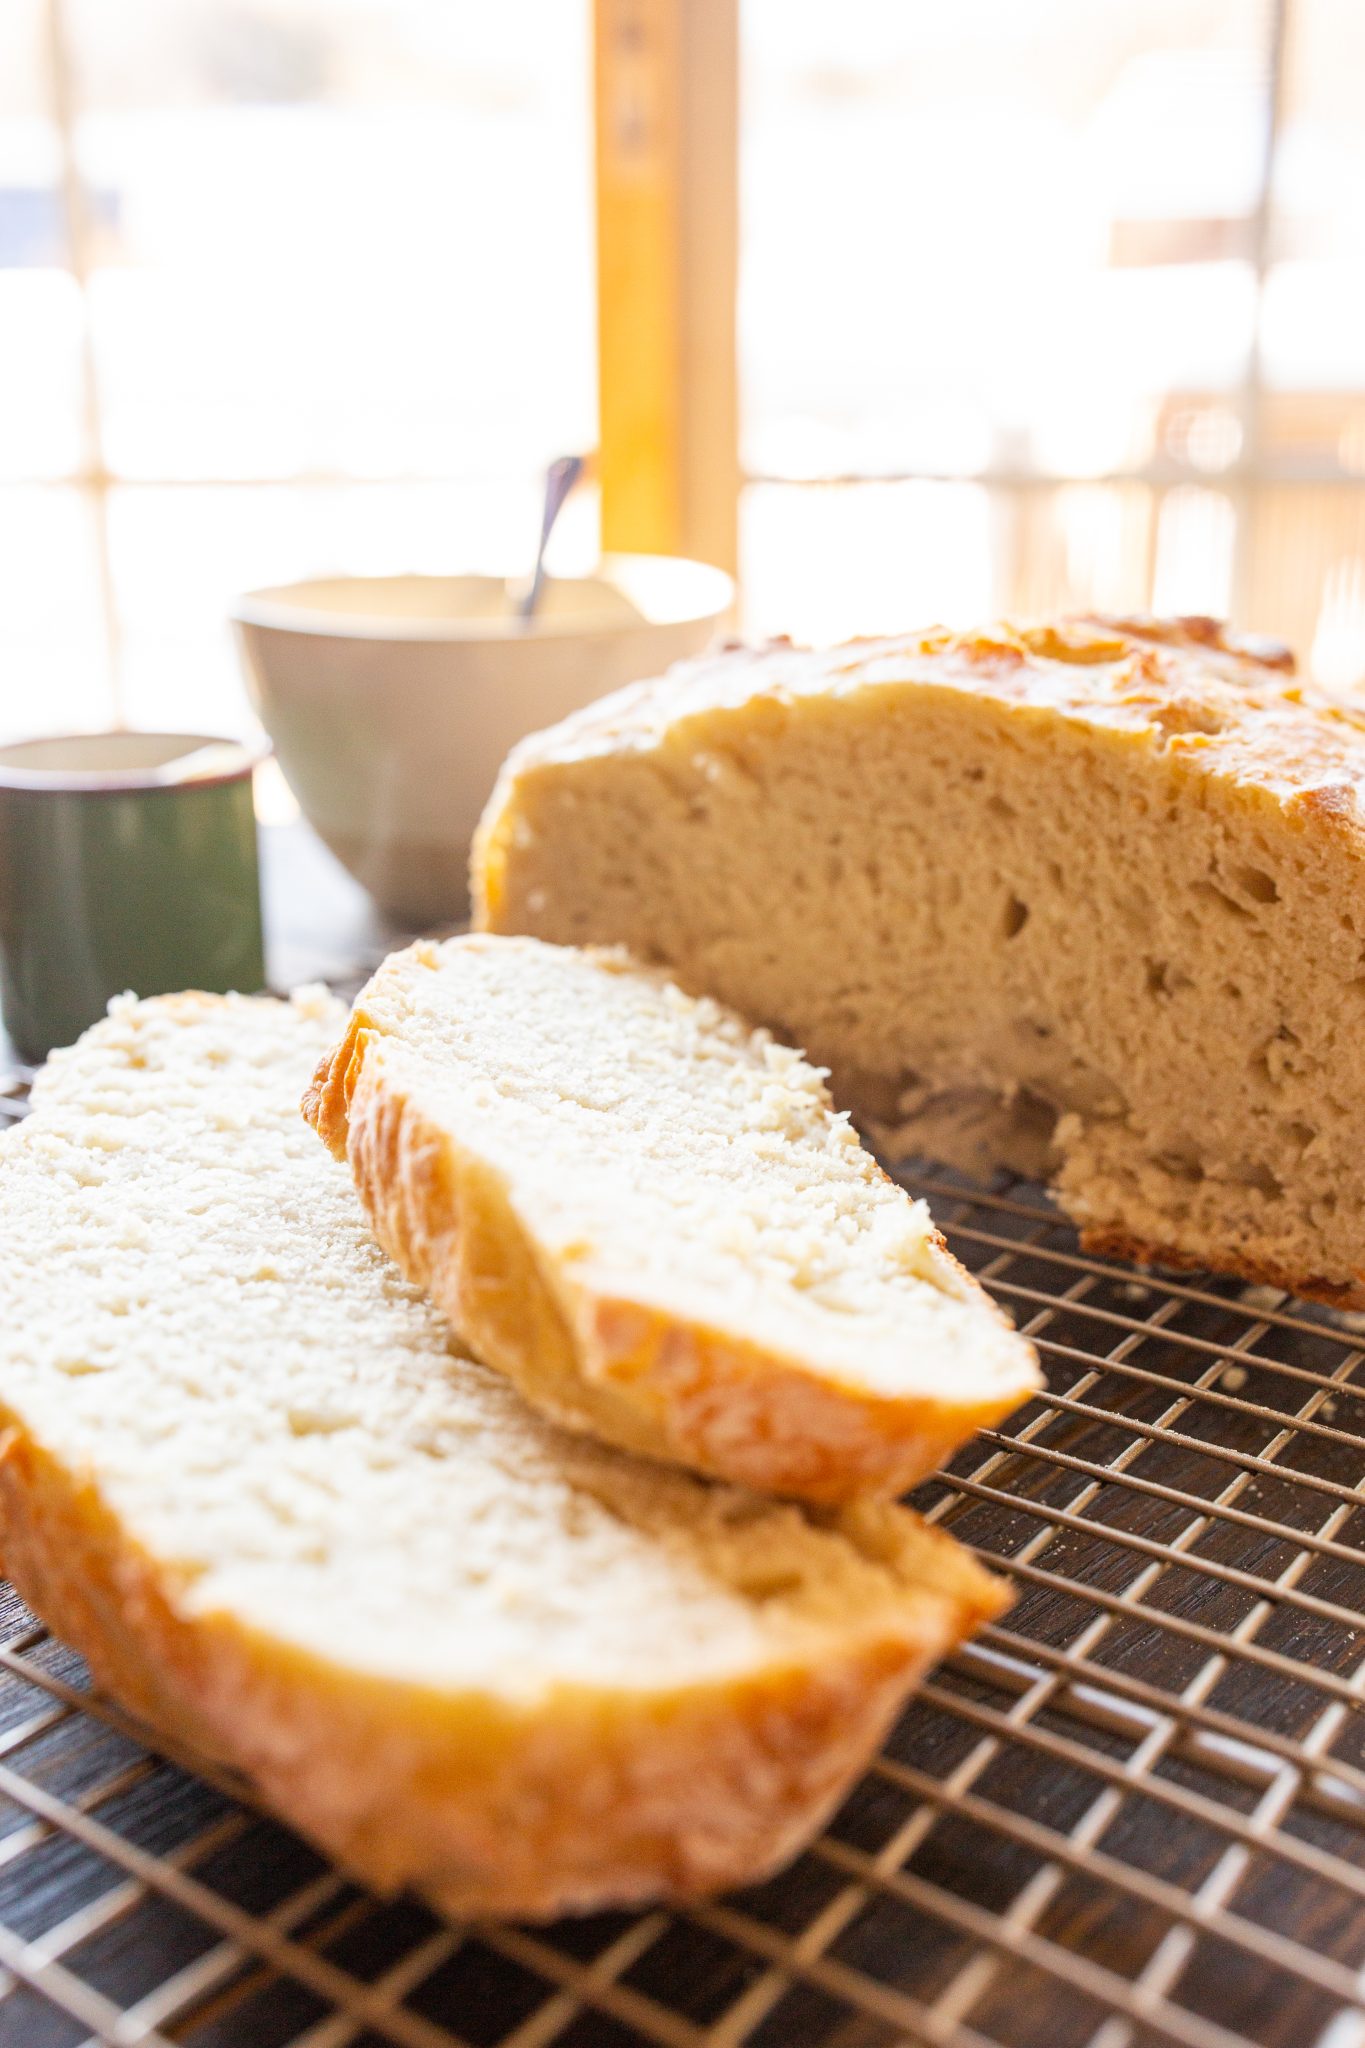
1132, 1813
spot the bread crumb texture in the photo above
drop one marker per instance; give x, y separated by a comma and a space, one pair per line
248, 1472
1086, 900
725, 1276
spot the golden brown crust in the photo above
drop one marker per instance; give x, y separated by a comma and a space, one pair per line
1194, 629
1231, 703
688, 1392
1111, 1241
581, 1800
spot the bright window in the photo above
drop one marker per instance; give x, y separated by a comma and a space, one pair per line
1040, 307
1082, 288
332, 263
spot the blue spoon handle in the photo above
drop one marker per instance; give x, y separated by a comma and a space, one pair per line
560, 479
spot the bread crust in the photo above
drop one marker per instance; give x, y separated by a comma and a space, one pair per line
1237, 706
1108, 1241
583, 1799
621, 1368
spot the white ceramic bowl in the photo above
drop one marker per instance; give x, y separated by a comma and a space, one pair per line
392, 700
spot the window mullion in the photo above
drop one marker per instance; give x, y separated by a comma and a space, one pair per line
667, 116
80, 260
1248, 487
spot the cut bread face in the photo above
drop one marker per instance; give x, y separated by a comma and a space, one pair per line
650, 1217
1085, 900
245, 1470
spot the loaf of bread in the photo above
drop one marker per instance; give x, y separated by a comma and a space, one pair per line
1086, 900
244, 1470
649, 1216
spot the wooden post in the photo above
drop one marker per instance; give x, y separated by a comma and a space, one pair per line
667, 76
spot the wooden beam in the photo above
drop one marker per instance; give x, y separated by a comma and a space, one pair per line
667, 75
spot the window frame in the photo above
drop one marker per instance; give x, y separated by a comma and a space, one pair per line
666, 79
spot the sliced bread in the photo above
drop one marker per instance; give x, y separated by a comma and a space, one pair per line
649, 1216
245, 1471
1087, 900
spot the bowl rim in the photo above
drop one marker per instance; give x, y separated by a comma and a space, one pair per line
271, 609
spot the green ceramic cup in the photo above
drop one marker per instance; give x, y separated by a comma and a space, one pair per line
128, 860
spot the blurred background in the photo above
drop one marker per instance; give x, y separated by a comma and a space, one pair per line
907, 311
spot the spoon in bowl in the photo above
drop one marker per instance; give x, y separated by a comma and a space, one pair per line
560, 479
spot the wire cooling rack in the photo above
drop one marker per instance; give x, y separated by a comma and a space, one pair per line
1132, 1813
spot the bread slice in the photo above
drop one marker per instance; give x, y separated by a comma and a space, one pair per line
648, 1215
246, 1472
1087, 900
